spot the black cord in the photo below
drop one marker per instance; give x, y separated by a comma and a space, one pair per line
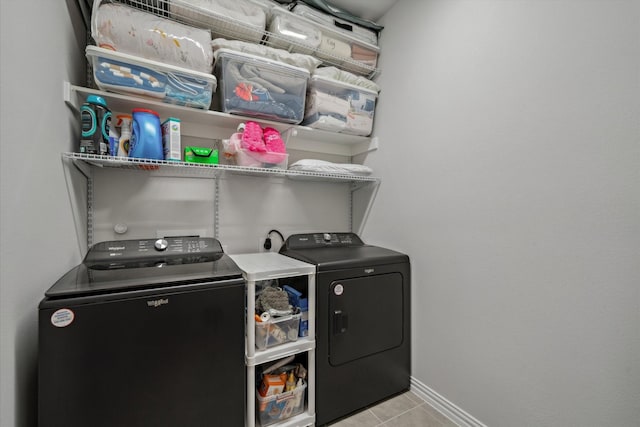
267, 242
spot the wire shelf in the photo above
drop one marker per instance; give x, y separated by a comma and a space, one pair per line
197, 170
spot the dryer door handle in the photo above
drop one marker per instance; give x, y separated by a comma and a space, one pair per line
340, 322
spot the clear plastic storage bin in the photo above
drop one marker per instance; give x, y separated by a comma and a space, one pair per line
123, 73
297, 33
259, 87
272, 409
261, 160
277, 330
336, 106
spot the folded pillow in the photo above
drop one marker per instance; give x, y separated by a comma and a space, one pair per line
321, 166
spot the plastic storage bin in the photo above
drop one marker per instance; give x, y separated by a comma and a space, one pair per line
123, 73
297, 33
261, 160
285, 405
277, 330
348, 28
260, 87
339, 107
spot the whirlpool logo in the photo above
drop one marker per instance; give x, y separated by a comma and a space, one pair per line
157, 302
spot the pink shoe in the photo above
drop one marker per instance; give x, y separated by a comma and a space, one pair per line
273, 141
252, 137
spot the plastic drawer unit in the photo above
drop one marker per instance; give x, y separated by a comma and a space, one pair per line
294, 408
131, 75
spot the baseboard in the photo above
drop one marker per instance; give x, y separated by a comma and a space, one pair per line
443, 405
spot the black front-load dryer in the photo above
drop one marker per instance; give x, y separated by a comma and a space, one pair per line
363, 346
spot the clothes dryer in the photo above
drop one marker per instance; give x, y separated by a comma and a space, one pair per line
363, 346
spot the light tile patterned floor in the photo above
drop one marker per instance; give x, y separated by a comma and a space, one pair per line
404, 410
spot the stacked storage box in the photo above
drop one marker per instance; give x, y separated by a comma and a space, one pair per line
337, 42
339, 101
260, 81
145, 54
128, 74
260, 87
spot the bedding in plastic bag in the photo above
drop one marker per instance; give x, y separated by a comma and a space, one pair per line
125, 29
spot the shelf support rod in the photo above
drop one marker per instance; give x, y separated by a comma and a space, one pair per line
362, 195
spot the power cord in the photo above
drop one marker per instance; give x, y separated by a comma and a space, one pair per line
267, 241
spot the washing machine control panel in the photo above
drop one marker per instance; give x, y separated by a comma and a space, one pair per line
321, 240
145, 249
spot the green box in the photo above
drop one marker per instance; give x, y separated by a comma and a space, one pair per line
201, 155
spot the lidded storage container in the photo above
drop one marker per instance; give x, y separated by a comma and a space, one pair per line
128, 74
260, 87
297, 33
338, 106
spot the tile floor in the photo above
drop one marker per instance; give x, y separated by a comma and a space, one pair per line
404, 410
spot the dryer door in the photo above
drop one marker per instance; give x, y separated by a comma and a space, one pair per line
365, 317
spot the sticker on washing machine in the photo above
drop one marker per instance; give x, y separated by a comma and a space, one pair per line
338, 289
62, 318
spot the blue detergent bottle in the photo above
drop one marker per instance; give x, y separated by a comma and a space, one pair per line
146, 135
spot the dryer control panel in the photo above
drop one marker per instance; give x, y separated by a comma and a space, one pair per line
322, 240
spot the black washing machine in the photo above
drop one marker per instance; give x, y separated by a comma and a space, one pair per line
144, 333
363, 345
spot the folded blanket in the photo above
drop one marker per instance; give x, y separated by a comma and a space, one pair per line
325, 104
225, 18
259, 77
307, 62
358, 124
289, 110
331, 47
187, 90
321, 166
325, 122
346, 77
362, 54
125, 29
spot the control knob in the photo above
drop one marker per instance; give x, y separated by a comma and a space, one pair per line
161, 244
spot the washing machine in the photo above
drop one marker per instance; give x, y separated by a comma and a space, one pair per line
363, 345
145, 332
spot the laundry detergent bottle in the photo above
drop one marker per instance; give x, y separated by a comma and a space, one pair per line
146, 135
95, 120
124, 122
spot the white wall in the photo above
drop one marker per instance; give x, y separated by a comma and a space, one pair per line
39, 50
510, 157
